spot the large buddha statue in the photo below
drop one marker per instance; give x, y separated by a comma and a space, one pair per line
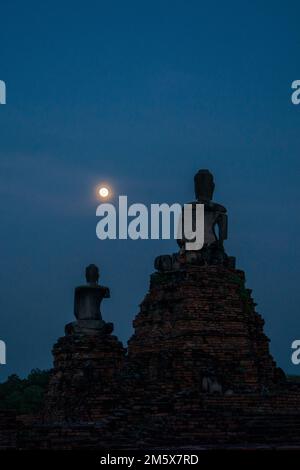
215, 231
215, 217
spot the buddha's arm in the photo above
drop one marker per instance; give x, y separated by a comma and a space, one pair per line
76, 299
223, 226
106, 292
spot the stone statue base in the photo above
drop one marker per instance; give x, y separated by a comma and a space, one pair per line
208, 255
88, 327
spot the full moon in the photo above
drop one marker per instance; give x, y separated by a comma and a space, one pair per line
104, 192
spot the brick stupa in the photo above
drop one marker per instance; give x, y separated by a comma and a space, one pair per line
87, 361
198, 327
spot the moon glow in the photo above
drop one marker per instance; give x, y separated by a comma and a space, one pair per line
103, 192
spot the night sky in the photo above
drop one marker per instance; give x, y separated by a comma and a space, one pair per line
142, 95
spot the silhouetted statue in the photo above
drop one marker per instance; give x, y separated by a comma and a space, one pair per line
87, 301
215, 231
89, 297
215, 217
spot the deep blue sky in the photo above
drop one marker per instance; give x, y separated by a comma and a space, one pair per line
143, 94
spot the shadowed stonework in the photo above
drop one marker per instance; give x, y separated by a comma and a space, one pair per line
198, 370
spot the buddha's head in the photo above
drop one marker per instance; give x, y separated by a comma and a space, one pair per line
204, 185
92, 274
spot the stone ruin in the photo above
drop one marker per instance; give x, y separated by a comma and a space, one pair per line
197, 372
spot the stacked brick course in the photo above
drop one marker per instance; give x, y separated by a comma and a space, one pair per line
84, 382
200, 323
8, 430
